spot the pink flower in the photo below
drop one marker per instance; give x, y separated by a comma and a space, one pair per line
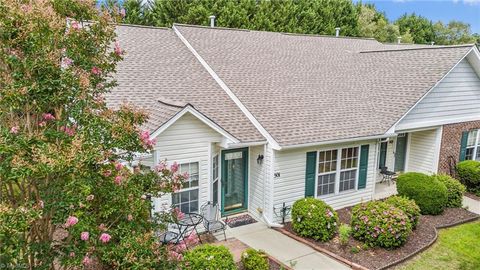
118, 166
174, 167
118, 180
129, 217
177, 213
48, 116
96, 70
75, 25
105, 237
72, 254
102, 227
42, 124
66, 62
84, 236
90, 197
67, 130
118, 51
107, 173
71, 220
86, 260
14, 130
41, 204
122, 12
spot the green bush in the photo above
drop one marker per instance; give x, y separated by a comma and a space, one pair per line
468, 172
380, 224
455, 190
344, 232
254, 260
209, 257
314, 219
427, 192
409, 207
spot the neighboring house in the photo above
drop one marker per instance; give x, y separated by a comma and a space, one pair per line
259, 119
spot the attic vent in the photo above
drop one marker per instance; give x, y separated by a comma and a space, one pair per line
212, 20
337, 31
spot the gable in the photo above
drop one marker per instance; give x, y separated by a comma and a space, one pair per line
455, 99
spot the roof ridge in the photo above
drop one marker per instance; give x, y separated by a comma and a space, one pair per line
262, 31
143, 26
420, 48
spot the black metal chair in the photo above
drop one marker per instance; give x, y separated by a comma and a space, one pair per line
211, 219
388, 176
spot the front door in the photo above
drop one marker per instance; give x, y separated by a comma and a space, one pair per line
400, 152
234, 180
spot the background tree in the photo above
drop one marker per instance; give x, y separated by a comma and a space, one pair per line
419, 27
65, 197
455, 32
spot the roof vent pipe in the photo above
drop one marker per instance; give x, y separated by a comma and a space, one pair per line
432, 42
399, 40
337, 31
212, 20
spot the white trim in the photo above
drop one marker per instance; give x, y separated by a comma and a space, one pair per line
393, 127
201, 117
209, 172
366, 138
428, 124
407, 152
227, 90
227, 145
438, 146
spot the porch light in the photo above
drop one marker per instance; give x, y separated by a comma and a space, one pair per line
260, 159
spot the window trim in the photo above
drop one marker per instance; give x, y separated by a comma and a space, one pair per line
338, 171
476, 145
183, 162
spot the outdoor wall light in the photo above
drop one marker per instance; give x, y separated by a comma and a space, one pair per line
260, 159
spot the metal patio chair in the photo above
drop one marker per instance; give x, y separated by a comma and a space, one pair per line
211, 219
388, 176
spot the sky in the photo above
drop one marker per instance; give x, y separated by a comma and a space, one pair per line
467, 11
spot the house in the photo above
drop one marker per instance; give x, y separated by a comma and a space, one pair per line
261, 119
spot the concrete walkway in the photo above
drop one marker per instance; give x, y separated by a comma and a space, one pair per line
284, 248
473, 205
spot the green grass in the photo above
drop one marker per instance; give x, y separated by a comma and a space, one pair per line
456, 248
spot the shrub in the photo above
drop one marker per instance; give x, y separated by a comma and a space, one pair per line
469, 174
254, 260
409, 207
455, 190
427, 192
314, 219
344, 232
209, 257
381, 224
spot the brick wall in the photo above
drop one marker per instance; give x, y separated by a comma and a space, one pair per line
452, 134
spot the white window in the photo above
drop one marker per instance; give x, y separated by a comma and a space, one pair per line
187, 198
337, 171
473, 145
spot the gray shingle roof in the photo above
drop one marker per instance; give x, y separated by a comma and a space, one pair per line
157, 65
306, 89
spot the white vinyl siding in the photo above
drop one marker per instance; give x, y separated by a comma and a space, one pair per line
290, 185
187, 140
455, 99
421, 154
256, 187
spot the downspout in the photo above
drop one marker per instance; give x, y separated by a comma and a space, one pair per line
266, 174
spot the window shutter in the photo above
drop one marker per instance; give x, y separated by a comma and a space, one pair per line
362, 174
310, 174
463, 145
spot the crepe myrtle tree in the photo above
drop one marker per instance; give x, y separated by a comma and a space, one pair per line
65, 199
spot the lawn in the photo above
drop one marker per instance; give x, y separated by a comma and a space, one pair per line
456, 248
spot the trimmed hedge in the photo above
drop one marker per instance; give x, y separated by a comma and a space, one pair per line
380, 224
408, 206
314, 218
468, 172
427, 192
455, 190
254, 260
208, 257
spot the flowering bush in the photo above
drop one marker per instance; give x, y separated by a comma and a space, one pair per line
209, 257
64, 190
254, 260
313, 218
409, 207
427, 192
378, 223
468, 172
455, 190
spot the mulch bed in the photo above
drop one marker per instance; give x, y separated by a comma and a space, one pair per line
472, 196
379, 258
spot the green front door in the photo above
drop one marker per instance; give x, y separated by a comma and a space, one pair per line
401, 152
234, 180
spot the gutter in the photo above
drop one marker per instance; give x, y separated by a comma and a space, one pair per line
383, 136
271, 224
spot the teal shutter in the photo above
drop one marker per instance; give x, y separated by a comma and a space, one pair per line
383, 154
310, 174
362, 174
463, 145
